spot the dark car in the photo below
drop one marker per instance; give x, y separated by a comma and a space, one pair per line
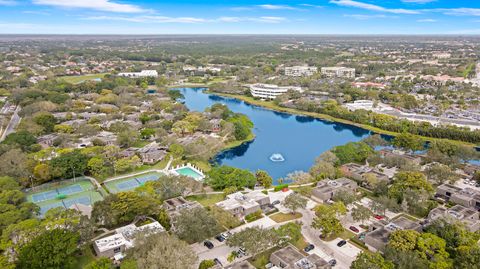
332, 262
276, 202
354, 229
341, 243
220, 238
217, 261
208, 244
309, 247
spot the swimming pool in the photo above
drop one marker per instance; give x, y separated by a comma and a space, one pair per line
190, 172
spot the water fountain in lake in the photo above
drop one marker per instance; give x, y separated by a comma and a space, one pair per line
277, 157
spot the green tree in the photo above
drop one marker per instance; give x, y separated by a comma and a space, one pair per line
294, 202
264, 178
222, 177
361, 213
46, 120
52, 249
161, 251
409, 181
255, 239
369, 260
205, 264
408, 142
195, 224
69, 164
326, 218
23, 139
102, 263
356, 152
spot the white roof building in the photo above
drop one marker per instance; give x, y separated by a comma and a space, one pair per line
142, 74
270, 91
338, 71
299, 71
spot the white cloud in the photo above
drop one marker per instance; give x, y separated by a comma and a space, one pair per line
427, 20
366, 17
103, 5
371, 7
150, 19
276, 7
7, 3
459, 11
163, 19
418, 1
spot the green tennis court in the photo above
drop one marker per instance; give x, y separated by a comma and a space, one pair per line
131, 182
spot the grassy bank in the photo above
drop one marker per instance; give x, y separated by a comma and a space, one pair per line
80, 79
272, 106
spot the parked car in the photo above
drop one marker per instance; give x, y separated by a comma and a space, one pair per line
309, 247
220, 238
276, 202
354, 229
226, 235
332, 262
341, 243
379, 217
208, 244
217, 261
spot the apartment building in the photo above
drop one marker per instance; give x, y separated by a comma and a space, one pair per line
339, 72
270, 91
300, 71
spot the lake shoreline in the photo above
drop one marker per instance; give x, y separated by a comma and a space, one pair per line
325, 117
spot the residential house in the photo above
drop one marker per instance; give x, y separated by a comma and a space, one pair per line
175, 205
240, 204
46, 141
377, 239
215, 125
326, 189
113, 246
467, 197
290, 257
468, 216
300, 71
152, 153
358, 172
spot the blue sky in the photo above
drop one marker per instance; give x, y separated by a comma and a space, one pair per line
240, 17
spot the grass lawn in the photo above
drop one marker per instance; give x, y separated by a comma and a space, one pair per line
80, 79
346, 234
304, 190
262, 259
282, 217
207, 199
300, 244
84, 258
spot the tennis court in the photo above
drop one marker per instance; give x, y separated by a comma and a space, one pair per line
64, 195
130, 183
70, 189
44, 196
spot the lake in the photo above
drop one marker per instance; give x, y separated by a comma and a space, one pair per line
299, 139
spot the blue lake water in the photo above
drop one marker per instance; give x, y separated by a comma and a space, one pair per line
299, 139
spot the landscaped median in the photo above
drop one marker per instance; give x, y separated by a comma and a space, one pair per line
283, 217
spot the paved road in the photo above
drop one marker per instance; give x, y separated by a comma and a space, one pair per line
14, 121
344, 260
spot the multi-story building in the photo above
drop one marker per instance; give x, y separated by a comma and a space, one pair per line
270, 91
142, 74
377, 239
300, 71
326, 189
240, 205
338, 71
468, 216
